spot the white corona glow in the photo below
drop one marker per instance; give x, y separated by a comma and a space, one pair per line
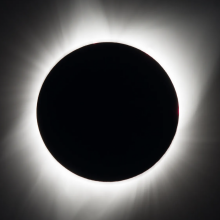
83, 24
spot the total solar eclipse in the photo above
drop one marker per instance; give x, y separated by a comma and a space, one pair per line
107, 112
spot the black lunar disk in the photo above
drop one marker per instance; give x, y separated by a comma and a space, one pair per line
107, 112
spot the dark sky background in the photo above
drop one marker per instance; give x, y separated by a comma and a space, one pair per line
183, 36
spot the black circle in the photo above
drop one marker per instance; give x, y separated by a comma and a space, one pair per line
107, 112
